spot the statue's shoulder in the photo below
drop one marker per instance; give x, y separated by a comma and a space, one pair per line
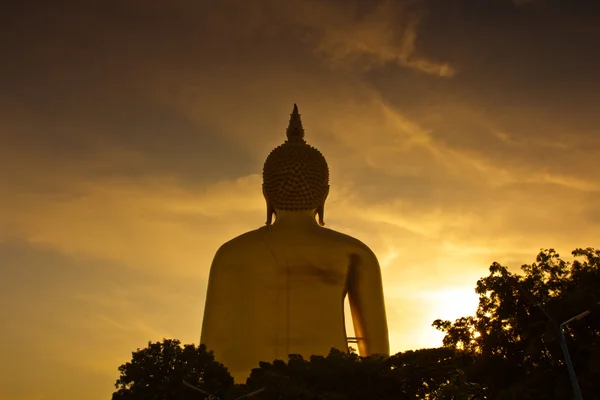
246, 242
350, 242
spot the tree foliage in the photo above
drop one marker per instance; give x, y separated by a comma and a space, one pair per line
421, 374
513, 336
158, 371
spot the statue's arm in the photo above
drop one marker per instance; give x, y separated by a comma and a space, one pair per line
365, 294
214, 324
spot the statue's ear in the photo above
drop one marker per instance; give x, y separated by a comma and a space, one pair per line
270, 208
321, 209
270, 212
320, 213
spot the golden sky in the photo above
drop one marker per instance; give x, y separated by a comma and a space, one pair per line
132, 137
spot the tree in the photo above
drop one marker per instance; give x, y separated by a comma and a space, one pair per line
421, 374
513, 338
158, 371
436, 373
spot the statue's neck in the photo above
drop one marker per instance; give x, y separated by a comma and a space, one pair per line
295, 218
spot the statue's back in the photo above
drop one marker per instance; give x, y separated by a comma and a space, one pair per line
280, 289
288, 300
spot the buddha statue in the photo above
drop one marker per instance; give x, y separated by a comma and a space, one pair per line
280, 289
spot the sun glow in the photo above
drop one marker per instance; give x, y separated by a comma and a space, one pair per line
453, 303
446, 304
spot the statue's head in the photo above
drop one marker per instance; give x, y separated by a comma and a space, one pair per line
295, 175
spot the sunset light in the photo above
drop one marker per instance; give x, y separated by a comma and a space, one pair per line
133, 140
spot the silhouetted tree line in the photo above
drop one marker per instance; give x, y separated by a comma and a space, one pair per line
508, 350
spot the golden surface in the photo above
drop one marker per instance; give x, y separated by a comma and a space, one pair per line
280, 290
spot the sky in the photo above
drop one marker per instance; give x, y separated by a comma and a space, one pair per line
133, 134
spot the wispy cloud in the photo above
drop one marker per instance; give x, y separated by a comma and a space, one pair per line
385, 35
122, 220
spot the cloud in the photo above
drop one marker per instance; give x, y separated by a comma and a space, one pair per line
92, 315
387, 34
143, 225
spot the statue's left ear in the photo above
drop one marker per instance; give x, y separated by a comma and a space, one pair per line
270, 212
321, 209
270, 208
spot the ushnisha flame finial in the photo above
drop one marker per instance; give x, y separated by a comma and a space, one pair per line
295, 131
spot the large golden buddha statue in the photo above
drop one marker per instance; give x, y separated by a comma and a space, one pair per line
280, 289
